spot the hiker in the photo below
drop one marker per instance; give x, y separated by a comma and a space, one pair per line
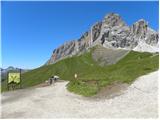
51, 80
56, 78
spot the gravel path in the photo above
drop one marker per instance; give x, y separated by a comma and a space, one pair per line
140, 100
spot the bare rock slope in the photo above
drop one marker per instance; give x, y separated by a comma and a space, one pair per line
107, 56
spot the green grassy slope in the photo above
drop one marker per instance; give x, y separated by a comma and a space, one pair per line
91, 76
126, 70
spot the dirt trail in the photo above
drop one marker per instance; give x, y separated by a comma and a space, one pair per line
140, 100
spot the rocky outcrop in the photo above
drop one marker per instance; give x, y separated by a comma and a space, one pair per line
112, 20
120, 35
112, 32
96, 30
105, 56
70, 48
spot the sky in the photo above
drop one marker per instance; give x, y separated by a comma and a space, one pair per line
30, 31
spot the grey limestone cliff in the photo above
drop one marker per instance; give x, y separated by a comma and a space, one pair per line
111, 32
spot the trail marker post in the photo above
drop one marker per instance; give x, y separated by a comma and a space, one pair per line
75, 76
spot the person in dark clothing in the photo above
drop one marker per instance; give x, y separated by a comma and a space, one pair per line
51, 80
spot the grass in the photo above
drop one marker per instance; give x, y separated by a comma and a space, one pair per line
129, 68
91, 76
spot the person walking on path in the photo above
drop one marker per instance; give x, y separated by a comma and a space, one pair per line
51, 80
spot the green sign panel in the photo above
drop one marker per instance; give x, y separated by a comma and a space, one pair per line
14, 77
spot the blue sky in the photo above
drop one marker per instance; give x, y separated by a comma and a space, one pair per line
31, 30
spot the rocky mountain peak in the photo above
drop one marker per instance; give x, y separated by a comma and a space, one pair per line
113, 19
112, 33
139, 28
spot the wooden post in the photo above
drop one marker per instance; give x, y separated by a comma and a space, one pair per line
20, 79
7, 80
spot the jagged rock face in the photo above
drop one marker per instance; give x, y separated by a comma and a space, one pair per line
70, 48
139, 29
96, 29
84, 42
112, 20
112, 32
116, 37
66, 49
153, 39
123, 36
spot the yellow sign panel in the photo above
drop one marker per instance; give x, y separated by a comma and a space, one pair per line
14, 77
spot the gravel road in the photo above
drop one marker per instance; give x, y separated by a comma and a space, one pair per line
140, 100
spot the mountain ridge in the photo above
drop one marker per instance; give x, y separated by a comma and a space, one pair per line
111, 32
